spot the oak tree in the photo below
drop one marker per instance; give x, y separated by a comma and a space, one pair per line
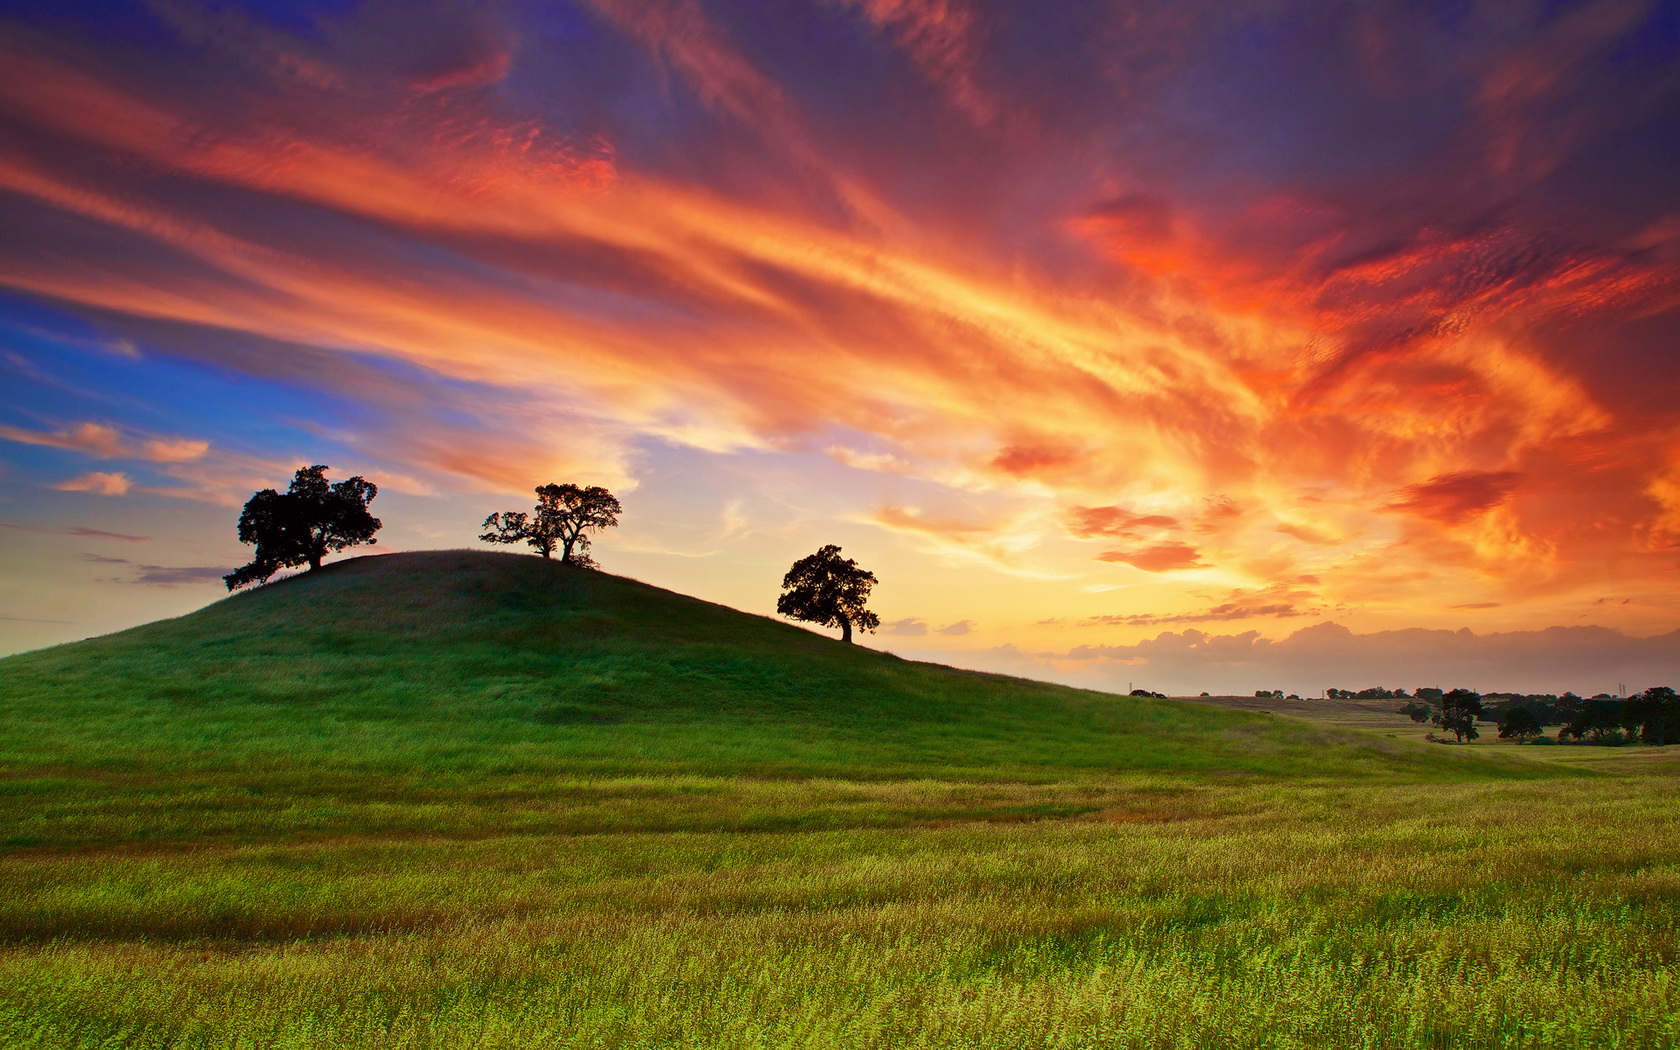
1655, 713
563, 516
1519, 724
304, 524
1459, 708
826, 589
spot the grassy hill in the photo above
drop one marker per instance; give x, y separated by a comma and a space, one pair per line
471, 664
474, 799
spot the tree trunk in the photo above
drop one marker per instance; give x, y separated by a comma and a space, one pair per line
845, 630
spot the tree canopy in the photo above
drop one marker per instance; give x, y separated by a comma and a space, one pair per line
1458, 712
826, 589
1519, 724
563, 516
304, 524
1655, 713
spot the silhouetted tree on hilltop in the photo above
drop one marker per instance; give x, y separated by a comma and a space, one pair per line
564, 514
303, 524
824, 588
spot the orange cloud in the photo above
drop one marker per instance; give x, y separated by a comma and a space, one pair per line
1090, 522
95, 439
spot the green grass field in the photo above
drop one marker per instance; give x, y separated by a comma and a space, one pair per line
464, 799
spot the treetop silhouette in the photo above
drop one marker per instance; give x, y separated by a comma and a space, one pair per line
826, 589
304, 524
1458, 713
562, 518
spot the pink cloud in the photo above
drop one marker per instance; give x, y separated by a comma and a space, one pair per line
95, 439
98, 482
105, 441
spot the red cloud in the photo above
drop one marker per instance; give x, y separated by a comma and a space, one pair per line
1452, 498
1163, 557
1027, 460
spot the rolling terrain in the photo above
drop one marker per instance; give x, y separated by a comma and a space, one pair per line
470, 799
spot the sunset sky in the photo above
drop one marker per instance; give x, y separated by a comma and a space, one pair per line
1191, 345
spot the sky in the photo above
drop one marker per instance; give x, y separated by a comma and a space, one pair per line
1172, 344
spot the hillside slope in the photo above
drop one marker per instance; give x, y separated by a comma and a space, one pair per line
467, 663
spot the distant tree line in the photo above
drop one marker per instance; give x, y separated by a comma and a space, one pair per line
1650, 717
1373, 693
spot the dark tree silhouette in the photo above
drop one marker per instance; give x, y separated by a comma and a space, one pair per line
304, 524
824, 588
564, 514
1459, 709
1416, 712
1655, 713
1599, 717
1519, 724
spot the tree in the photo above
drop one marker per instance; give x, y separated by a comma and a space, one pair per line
303, 524
564, 514
1417, 712
1655, 713
826, 589
1519, 724
1599, 717
1458, 712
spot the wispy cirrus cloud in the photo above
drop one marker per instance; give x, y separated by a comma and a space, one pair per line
76, 530
171, 576
105, 441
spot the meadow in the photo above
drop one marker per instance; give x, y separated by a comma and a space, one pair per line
474, 800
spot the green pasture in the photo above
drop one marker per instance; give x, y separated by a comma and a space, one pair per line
479, 800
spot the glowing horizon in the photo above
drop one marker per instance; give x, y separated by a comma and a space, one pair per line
1099, 335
